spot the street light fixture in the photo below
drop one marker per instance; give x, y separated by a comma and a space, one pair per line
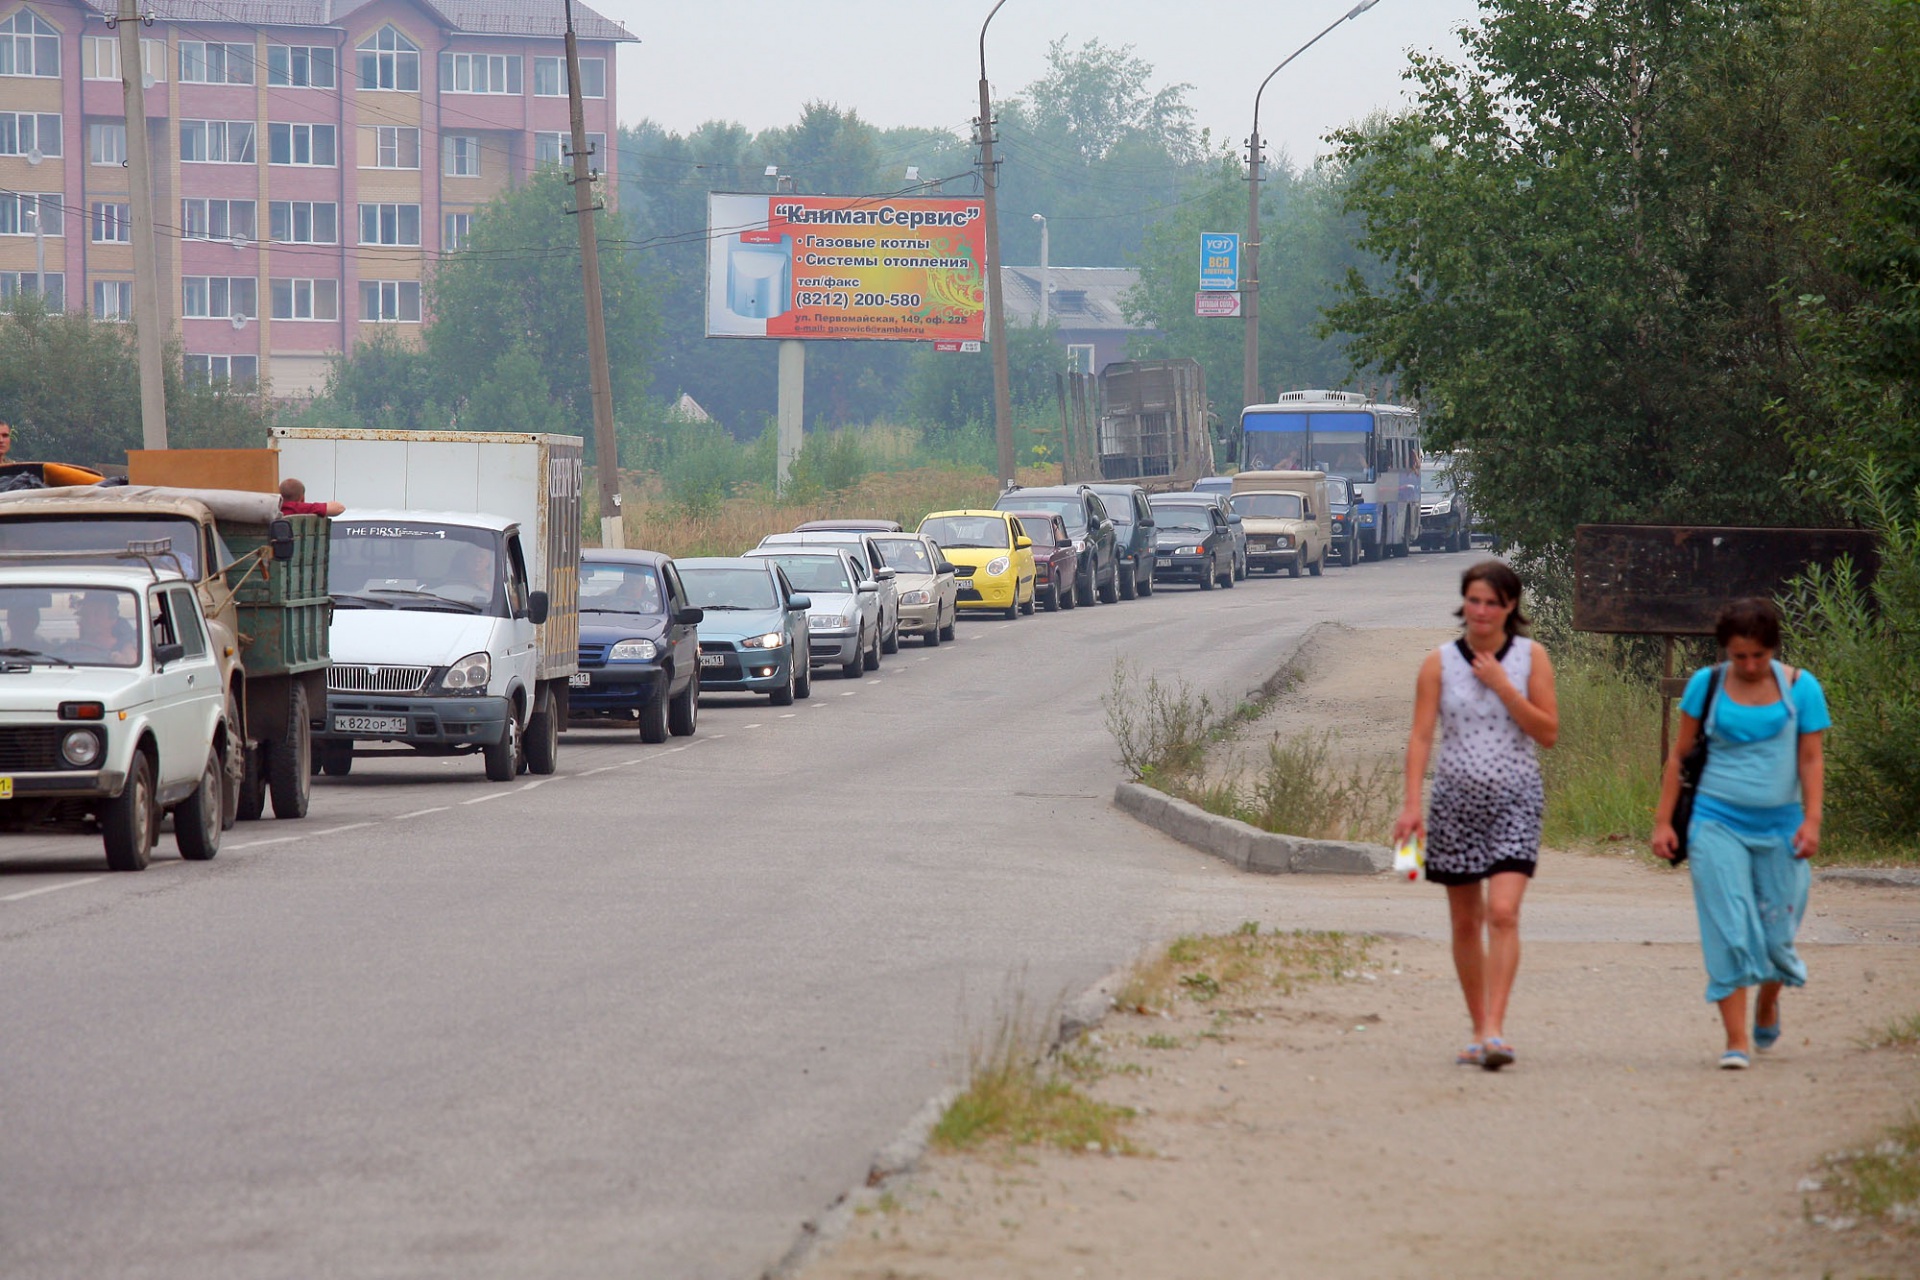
1250, 301
1041, 218
996, 314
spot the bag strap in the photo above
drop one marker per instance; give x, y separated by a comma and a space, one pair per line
1713, 687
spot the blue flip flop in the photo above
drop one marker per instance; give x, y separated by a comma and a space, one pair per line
1765, 1038
1471, 1056
1734, 1060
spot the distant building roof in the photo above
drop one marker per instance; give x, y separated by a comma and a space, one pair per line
1080, 297
687, 409
476, 17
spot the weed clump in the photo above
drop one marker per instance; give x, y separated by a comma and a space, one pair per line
1017, 1095
1203, 968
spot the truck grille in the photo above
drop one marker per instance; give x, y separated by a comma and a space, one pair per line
30, 748
354, 678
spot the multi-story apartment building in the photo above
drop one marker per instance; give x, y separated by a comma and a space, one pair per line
312, 159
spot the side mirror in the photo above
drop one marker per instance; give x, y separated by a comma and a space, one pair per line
688, 616
280, 534
163, 654
868, 586
943, 566
536, 607
885, 575
1022, 542
799, 604
1236, 518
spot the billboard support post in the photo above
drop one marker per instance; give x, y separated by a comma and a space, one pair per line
148, 335
996, 313
790, 417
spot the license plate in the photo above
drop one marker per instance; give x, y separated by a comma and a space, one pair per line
370, 724
713, 659
1165, 560
6, 788
580, 680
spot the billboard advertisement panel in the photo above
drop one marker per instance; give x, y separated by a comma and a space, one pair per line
848, 267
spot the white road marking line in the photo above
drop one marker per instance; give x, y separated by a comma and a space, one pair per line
787, 716
51, 888
848, 693
255, 844
420, 813
483, 799
749, 726
334, 831
605, 768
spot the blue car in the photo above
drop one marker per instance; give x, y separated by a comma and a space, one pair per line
753, 626
639, 649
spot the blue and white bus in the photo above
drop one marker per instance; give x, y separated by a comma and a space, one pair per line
1376, 446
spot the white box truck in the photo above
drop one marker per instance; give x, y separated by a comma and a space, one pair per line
455, 581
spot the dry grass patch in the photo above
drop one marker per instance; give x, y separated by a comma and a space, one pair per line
1901, 1033
1018, 1094
1203, 968
1882, 1183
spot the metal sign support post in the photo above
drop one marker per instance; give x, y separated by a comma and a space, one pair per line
789, 419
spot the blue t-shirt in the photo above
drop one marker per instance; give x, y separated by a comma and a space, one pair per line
1753, 753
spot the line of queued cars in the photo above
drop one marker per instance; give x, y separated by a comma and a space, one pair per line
838, 596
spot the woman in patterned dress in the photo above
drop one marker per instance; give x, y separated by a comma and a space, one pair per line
1491, 691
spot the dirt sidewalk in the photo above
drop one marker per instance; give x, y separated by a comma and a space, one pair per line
1327, 1133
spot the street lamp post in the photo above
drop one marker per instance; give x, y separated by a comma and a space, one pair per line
996, 314
1250, 300
1041, 218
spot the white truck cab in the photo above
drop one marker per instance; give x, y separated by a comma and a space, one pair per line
112, 706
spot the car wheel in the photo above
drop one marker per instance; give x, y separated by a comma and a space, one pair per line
872, 660
1239, 570
1033, 599
783, 696
1083, 589
1209, 580
891, 644
802, 677
653, 719
236, 762
1053, 597
1145, 586
1293, 570
858, 667
335, 756
1227, 580
253, 785
1319, 563
290, 762
683, 714
543, 735
1127, 584
127, 821
503, 757
1110, 589
196, 820
947, 632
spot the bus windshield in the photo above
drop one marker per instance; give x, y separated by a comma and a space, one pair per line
1339, 443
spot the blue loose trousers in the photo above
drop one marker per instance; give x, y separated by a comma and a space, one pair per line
1751, 893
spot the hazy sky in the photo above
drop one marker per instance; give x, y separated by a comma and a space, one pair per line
916, 62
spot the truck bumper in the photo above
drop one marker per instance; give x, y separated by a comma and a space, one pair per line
67, 784
451, 722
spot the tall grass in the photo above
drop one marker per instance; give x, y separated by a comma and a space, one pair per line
1603, 776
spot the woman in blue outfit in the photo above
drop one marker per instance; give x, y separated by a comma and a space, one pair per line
1756, 819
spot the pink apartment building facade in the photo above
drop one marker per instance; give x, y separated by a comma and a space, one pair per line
312, 159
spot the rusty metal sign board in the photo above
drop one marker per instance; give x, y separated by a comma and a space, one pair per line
1673, 580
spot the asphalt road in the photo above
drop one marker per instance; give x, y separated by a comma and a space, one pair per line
641, 1018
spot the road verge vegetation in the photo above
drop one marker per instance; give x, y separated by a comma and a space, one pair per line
1223, 969
1022, 1091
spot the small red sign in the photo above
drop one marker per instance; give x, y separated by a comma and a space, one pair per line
1220, 303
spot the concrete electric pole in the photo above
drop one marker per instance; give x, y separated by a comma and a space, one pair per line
1045, 282
150, 341
606, 449
996, 313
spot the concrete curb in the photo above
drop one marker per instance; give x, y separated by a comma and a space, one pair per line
1881, 877
1248, 847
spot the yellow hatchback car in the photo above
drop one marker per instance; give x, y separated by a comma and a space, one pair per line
992, 559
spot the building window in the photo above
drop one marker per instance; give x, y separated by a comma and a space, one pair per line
455, 230
238, 371
390, 301
395, 147
388, 60
51, 286
460, 153
24, 132
550, 77
100, 59
107, 143
28, 46
206, 62
112, 223
1080, 357
218, 219
304, 221
216, 141
306, 299
24, 213
302, 144
219, 297
480, 73
113, 299
397, 224
552, 148
300, 66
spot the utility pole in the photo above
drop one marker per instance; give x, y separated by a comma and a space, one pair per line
1046, 283
1250, 291
996, 313
606, 449
146, 266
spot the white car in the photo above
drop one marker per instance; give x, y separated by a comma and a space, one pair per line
111, 705
844, 621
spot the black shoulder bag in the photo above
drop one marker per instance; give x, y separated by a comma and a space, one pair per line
1692, 765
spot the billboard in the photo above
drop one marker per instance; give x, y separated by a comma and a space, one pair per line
849, 267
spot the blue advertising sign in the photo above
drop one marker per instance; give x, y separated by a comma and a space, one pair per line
1219, 260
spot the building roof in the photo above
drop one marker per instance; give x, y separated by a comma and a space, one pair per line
474, 17
1080, 297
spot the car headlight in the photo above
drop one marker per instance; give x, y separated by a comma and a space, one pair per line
475, 671
996, 566
633, 651
80, 748
1284, 541
917, 597
1366, 517
1080, 545
771, 640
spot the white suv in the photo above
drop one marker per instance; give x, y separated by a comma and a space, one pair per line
111, 705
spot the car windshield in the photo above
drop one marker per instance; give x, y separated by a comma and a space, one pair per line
1267, 506
69, 626
987, 533
907, 555
1188, 519
108, 535
612, 587
1040, 529
1438, 483
816, 573
727, 586
1339, 491
1069, 510
407, 565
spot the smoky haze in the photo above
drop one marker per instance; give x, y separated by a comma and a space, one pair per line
911, 62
